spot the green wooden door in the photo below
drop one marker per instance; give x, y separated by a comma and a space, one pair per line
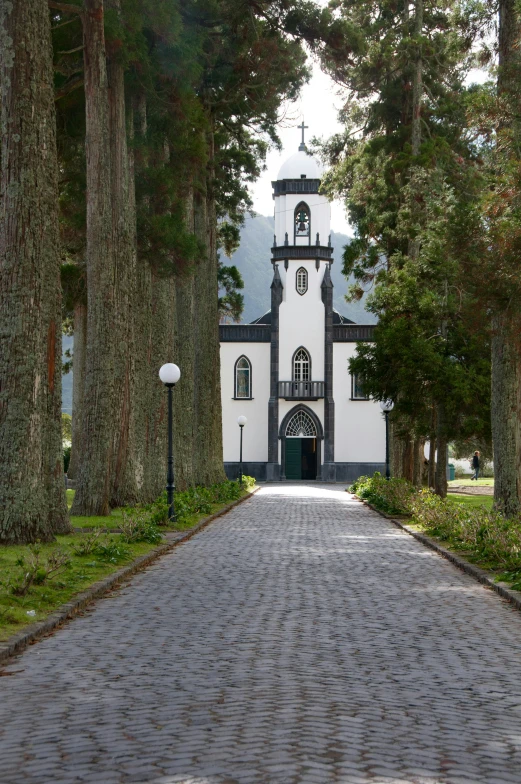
293, 458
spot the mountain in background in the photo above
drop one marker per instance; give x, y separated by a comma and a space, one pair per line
253, 262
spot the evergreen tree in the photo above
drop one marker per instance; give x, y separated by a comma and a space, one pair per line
403, 166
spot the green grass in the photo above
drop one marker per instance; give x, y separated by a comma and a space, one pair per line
471, 501
111, 521
44, 599
472, 483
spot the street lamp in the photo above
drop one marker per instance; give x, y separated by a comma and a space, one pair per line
170, 375
241, 421
387, 406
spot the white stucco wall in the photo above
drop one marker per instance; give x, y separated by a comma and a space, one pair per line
359, 424
301, 320
255, 436
320, 210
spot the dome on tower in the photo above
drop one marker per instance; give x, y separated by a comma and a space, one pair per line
298, 165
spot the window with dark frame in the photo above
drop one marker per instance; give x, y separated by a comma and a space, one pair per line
243, 378
301, 366
302, 281
357, 387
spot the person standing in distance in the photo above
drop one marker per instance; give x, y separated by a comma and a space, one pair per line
475, 466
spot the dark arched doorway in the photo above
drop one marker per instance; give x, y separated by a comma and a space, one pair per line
301, 436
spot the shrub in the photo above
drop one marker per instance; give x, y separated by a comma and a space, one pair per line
196, 500
391, 496
35, 570
137, 527
111, 550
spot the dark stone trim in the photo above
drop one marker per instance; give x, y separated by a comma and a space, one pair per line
342, 473
255, 469
282, 187
319, 437
242, 356
308, 252
329, 403
244, 333
351, 333
273, 404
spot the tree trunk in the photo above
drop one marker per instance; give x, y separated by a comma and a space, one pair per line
184, 353
124, 490
32, 494
99, 421
417, 84
208, 463
78, 383
418, 461
432, 461
505, 415
440, 477
506, 355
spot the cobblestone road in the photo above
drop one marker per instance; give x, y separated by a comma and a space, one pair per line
300, 638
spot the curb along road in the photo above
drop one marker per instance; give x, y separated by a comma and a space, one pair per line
483, 577
18, 642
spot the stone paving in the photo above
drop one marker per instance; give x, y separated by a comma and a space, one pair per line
299, 638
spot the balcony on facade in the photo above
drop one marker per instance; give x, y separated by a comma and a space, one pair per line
302, 390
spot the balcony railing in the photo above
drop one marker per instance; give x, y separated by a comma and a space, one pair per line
301, 390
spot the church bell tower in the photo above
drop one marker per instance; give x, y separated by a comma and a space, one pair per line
302, 306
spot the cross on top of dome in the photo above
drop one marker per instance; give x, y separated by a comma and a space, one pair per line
302, 146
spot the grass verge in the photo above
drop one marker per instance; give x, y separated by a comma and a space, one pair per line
36, 580
465, 524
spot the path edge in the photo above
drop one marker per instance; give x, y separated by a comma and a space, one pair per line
21, 640
482, 576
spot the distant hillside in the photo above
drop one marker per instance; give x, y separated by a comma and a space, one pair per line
253, 261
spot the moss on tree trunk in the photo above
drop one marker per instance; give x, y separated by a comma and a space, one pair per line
94, 488
32, 495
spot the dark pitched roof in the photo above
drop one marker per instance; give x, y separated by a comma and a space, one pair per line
338, 319
264, 319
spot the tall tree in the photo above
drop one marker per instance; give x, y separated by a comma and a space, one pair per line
32, 496
506, 320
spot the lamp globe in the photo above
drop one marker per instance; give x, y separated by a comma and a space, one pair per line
169, 374
241, 421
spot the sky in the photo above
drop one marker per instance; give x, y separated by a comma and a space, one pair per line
318, 105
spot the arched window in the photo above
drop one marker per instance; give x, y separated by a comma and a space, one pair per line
302, 220
243, 378
357, 387
301, 365
302, 280
301, 426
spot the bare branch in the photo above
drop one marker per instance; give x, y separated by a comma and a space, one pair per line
68, 87
71, 51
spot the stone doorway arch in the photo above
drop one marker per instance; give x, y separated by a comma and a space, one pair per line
302, 423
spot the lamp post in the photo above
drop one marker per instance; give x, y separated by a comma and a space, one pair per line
241, 421
170, 375
387, 406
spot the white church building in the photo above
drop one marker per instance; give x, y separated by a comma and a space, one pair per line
287, 372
